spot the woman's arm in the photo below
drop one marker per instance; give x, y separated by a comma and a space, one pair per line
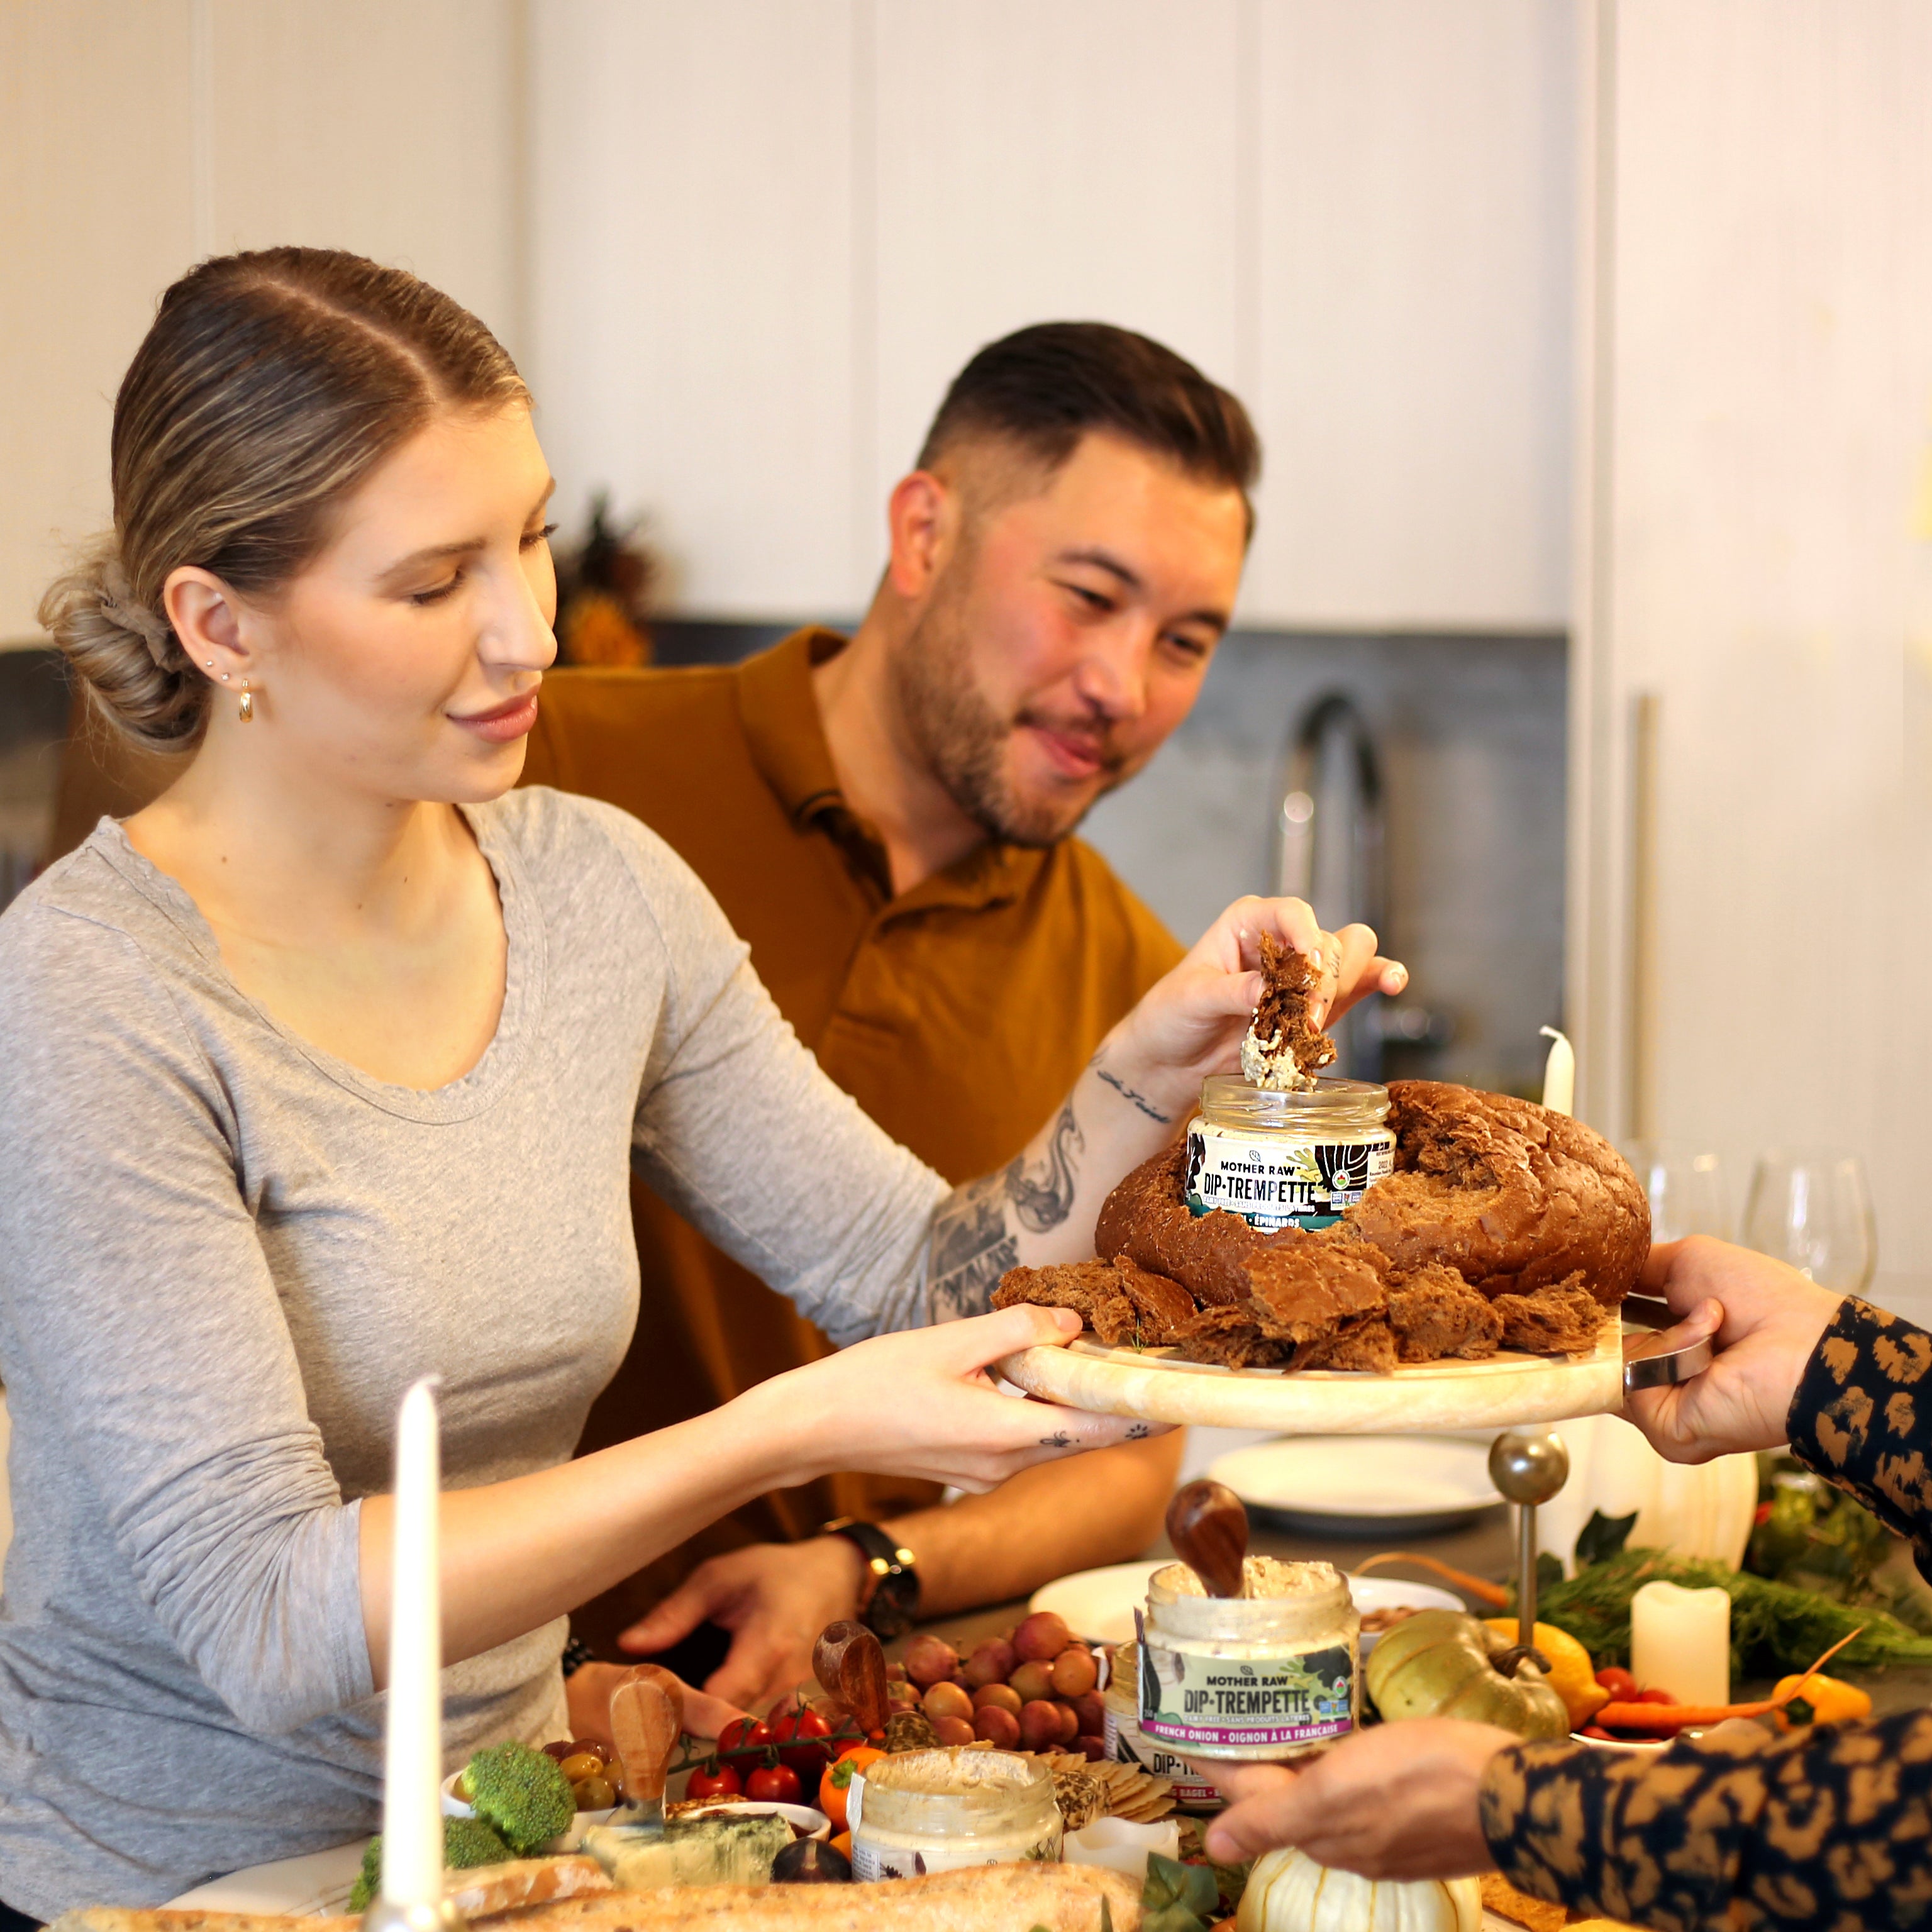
517, 1553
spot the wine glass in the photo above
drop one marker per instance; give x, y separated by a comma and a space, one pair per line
1811, 1207
1687, 1190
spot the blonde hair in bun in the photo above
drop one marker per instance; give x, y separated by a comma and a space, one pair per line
270, 386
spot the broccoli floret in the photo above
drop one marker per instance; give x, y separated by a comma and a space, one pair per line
523, 1793
466, 1842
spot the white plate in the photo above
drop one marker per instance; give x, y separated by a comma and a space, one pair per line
1099, 1604
320, 1881
1362, 1485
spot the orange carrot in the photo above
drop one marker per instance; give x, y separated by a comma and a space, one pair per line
1665, 1718
1494, 1595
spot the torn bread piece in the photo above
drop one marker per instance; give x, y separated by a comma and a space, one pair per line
1562, 1320
1164, 1306
1281, 1049
1435, 1313
1092, 1289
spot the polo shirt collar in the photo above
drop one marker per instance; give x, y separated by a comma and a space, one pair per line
779, 709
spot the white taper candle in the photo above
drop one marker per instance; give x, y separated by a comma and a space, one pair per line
412, 1753
1559, 1073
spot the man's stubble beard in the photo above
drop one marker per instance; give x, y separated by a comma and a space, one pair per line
963, 740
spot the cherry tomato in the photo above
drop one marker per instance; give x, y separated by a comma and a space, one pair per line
1654, 1696
1618, 1681
742, 1735
1597, 1731
713, 1780
798, 1732
774, 1784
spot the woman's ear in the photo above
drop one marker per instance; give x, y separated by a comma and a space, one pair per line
202, 610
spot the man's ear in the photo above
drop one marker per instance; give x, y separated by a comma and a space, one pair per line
922, 515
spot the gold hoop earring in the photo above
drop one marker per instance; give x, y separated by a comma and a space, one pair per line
248, 704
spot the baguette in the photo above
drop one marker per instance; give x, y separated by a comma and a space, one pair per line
483, 1890
978, 1898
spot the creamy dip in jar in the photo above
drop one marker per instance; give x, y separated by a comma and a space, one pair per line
1287, 1160
936, 1810
1269, 1674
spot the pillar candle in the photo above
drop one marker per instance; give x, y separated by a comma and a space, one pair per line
413, 1752
1559, 1073
1680, 1642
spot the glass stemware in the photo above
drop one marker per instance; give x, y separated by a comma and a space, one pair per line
1812, 1208
1687, 1190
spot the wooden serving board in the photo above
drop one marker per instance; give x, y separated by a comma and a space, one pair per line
1153, 1383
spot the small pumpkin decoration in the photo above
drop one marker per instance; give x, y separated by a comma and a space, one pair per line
1288, 1891
1440, 1663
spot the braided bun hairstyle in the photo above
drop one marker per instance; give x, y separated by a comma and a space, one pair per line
270, 386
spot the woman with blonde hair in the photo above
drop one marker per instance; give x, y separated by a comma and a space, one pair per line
328, 1069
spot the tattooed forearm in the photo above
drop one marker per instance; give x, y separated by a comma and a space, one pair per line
1042, 1202
972, 1246
1126, 1092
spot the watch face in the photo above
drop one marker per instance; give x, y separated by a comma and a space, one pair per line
886, 1615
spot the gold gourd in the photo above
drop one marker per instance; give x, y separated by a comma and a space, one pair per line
1439, 1663
1288, 1891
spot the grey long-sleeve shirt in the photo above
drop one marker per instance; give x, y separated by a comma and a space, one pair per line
224, 1254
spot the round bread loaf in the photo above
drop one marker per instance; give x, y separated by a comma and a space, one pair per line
1511, 1196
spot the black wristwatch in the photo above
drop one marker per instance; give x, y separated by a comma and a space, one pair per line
892, 1608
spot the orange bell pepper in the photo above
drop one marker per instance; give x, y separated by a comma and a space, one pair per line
834, 1788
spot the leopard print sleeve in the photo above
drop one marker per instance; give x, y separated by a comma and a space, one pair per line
1862, 1418
1737, 1829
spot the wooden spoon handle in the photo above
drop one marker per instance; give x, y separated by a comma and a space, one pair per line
1209, 1530
646, 1718
849, 1662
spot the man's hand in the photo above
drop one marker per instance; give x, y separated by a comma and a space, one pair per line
1189, 1024
774, 1598
1396, 1801
587, 1692
1767, 1319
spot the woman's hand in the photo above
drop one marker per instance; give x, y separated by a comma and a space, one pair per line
1767, 1319
1189, 1024
1396, 1801
922, 1404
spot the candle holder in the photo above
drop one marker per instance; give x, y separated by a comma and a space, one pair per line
1528, 1466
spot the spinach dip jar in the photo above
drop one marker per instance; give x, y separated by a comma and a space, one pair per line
1287, 1159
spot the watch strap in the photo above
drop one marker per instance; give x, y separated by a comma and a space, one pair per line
891, 1607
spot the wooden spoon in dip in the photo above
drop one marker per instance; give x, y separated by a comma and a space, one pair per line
1209, 1530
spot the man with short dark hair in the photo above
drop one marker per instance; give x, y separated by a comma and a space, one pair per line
887, 820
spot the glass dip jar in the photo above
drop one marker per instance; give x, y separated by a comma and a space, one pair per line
936, 1810
1193, 1790
1282, 1160
1270, 1675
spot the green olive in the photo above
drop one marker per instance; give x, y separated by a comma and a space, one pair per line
582, 1765
594, 1794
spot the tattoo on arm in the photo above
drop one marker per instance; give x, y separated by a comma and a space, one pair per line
972, 1246
1126, 1092
1042, 1203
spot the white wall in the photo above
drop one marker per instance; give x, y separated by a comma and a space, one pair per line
137, 136
769, 231
1761, 563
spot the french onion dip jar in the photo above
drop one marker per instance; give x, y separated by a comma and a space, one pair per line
1287, 1160
1120, 1706
1270, 1675
936, 1810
